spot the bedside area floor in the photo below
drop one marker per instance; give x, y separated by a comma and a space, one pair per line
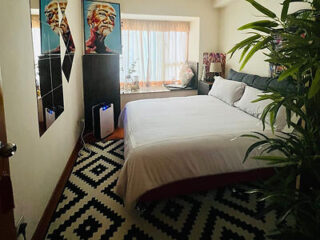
90, 209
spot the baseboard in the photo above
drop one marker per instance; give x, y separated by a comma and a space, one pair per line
43, 225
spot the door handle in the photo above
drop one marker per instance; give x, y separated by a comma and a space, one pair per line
7, 150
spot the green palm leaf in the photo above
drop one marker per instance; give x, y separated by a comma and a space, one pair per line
259, 24
290, 71
285, 9
245, 50
243, 43
293, 41
258, 46
262, 9
315, 87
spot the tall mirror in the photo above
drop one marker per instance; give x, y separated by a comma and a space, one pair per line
49, 24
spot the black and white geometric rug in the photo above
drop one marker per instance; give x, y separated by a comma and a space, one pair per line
89, 208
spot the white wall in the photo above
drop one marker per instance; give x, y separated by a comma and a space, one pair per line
39, 162
190, 8
236, 14
221, 3
35, 3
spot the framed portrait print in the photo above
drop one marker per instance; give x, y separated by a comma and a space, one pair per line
102, 27
49, 26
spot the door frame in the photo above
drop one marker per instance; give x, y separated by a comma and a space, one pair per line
7, 225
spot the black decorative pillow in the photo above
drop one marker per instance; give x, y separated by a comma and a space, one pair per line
284, 86
249, 79
262, 83
236, 76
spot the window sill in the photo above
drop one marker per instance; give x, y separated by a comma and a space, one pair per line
152, 90
145, 90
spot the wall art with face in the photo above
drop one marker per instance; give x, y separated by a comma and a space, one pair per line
64, 28
53, 23
50, 27
102, 27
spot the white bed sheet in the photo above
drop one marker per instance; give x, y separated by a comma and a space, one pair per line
172, 139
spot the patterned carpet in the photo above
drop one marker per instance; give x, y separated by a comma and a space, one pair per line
89, 208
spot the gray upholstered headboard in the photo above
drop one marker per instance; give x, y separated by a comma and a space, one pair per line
263, 83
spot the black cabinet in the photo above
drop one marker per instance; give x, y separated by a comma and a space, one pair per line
204, 87
49, 82
50, 76
101, 83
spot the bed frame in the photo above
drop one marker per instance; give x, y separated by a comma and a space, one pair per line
204, 184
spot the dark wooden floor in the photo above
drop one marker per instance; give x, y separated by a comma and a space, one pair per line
117, 134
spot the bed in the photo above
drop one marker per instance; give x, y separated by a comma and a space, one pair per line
180, 145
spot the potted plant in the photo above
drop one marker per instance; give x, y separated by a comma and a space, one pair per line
294, 190
129, 79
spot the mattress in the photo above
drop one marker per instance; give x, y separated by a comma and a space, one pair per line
172, 139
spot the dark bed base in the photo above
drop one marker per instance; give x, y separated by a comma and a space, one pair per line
204, 184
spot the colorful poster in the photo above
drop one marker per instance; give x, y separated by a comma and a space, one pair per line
50, 29
209, 58
102, 27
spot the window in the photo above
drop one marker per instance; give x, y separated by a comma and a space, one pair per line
153, 52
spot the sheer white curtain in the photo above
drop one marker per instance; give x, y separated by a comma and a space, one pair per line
153, 51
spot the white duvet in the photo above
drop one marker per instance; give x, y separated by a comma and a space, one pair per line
172, 139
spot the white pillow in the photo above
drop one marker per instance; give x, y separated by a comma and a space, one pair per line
227, 90
185, 75
256, 109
